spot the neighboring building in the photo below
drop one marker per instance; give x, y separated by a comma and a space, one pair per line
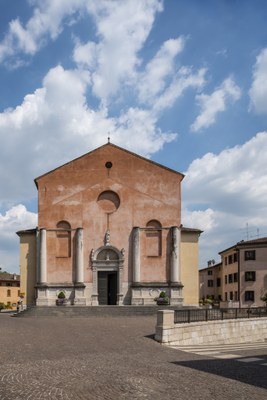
9, 289
109, 232
210, 282
242, 275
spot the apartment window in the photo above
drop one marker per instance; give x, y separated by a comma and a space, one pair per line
225, 296
225, 279
220, 297
9, 284
230, 259
235, 257
231, 296
249, 295
250, 255
18, 293
210, 283
250, 276
230, 278
209, 272
235, 277
8, 293
225, 260
236, 296
218, 282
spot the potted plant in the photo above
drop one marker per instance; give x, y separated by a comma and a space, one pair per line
162, 299
61, 299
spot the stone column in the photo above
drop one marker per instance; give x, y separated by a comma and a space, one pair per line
79, 256
175, 254
136, 255
42, 276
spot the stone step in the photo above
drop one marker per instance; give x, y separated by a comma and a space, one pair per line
101, 311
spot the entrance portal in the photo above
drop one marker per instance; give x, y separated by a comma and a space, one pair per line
107, 265
107, 288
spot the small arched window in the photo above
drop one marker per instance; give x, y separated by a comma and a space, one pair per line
63, 239
153, 238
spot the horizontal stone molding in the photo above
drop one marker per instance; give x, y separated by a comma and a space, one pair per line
210, 332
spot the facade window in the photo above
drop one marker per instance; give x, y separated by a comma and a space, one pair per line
249, 295
230, 259
235, 257
225, 279
209, 272
63, 239
231, 296
220, 297
225, 296
8, 293
18, 293
250, 255
225, 260
210, 283
218, 282
9, 284
154, 239
230, 278
250, 276
236, 296
235, 277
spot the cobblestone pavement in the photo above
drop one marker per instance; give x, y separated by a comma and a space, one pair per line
113, 358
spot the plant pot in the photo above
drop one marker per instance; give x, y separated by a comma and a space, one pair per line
61, 302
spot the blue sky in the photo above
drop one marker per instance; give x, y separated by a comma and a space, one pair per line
182, 82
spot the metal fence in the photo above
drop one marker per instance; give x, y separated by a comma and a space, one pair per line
196, 315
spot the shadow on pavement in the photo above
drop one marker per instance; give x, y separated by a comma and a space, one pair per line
253, 373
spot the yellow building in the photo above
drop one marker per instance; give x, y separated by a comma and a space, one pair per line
9, 289
109, 233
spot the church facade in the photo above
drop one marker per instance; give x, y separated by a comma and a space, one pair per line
109, 233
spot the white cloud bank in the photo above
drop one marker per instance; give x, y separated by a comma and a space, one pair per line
258, 90
222, 193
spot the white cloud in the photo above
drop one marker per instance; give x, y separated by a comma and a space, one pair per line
15, 219
258, 90
48, 19
224, 192
153, 80
122, 29
183, 80
215, 103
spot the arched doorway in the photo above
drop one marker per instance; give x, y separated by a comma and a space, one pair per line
107, 265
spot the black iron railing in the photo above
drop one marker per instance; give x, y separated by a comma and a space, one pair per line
196, 315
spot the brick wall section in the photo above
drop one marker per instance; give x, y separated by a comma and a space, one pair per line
211, 332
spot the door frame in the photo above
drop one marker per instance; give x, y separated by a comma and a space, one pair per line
116, 264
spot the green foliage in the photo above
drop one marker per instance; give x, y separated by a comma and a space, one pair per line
2, 306
264, 298
61, 295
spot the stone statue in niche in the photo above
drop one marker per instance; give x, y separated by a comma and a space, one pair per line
92, 254
122, 253
107, 238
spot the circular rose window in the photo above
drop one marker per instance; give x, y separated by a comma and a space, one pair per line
108, 201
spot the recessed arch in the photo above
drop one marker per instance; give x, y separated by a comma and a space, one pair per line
153, 238
63, 233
